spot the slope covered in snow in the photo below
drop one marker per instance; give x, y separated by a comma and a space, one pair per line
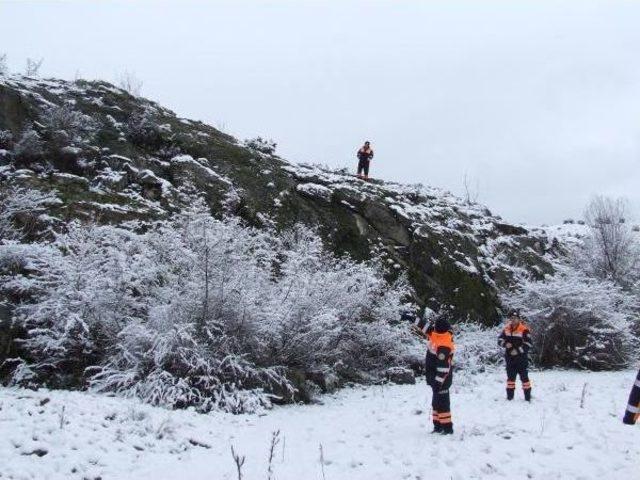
572, 430
110, 157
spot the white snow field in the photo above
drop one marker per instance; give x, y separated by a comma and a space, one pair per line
366, 433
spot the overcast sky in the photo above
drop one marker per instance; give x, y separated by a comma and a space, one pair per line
538, 101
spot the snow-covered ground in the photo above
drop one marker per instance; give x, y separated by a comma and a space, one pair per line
364, 433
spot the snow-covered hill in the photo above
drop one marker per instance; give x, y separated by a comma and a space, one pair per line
572, 430
110, 157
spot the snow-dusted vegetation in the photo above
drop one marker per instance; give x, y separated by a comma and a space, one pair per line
196, 312
579, 321
586, 314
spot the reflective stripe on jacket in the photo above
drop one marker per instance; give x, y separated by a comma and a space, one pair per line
519, 338
441, 347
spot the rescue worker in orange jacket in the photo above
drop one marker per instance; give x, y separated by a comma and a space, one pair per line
365, 154
439, 371
632, 413
516, 341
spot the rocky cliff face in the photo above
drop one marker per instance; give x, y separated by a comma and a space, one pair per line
110, 157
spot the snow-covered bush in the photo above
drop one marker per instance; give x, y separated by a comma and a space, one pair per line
143, 130
198, 311
130, 83
29, 146
477, 347
262, 145
577, 320
317, 297
32, 68
65, 125
20, 209
6, 140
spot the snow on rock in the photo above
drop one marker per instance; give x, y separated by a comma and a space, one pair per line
69, 150
197, 168
315, 190
147, 177
70, 178
370, 433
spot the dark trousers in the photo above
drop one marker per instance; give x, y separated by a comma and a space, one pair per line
440, 399
632, 413
518, 366
441, 407
363, 166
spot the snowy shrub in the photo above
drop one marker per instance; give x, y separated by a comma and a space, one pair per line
20, 210
30, 145
167, 152
477, 347
65, 126
317, 297
82, 291
200, 312
578, 321
262, 145
130, 83
32, 68
6, 140
143, 130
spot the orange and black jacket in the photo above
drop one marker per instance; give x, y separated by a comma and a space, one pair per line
439, 361
365, 153
440, 358
632, 413
519, 338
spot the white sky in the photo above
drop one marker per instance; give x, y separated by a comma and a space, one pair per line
537, 100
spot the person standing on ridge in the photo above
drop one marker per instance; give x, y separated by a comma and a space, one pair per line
516, 340
439, 370
365, 154
632, 412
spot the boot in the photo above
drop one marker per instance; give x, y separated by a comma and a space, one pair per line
447, 429
527, 394
510, 393
437, 427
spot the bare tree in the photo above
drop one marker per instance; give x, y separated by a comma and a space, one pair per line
33, 67
611, 246
3, 64
471, 192
130, 83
